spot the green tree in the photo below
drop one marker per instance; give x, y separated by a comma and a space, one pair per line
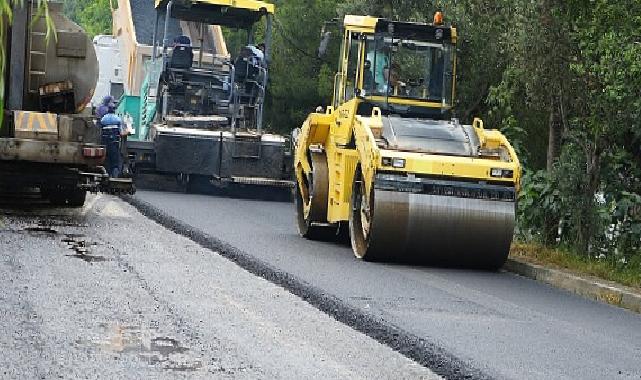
576, 64
94, 16
300, 80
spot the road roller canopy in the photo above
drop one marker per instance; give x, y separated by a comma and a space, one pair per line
404, 67
240, 14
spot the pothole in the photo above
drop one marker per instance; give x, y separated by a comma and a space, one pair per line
150, 346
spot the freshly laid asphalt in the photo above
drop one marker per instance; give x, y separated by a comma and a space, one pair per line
103, 292
498, 324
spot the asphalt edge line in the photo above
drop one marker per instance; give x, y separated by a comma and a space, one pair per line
590, 288
415, 348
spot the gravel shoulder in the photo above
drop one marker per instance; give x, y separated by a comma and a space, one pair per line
104, 292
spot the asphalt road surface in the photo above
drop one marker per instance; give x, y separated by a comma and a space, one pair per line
498, 323
103, 292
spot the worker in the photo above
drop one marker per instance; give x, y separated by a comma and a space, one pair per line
260, 53
390, 78
182, 41
368, 76
107, 101
112, 131
255, 51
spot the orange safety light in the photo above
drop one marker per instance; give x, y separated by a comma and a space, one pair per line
438, 18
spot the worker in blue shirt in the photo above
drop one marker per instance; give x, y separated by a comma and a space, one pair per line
107, 101
112, 130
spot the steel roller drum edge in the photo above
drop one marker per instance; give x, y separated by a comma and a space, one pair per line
441, 229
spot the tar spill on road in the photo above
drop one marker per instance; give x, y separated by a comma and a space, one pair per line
61, 223
150, 346
81, 249
49, 226
39, 228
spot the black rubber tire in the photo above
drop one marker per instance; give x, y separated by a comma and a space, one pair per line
65, 197
305, 227
77, 198
359, 242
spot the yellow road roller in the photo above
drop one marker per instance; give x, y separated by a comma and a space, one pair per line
387, 163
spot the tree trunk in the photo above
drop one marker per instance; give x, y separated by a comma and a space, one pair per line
555, 129
586, 226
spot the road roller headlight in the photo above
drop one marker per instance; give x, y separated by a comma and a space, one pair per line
398, 163
501, 173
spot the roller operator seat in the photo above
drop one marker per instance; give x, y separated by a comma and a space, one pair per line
247, 68
182, 56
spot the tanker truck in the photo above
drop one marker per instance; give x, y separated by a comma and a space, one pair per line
48, 141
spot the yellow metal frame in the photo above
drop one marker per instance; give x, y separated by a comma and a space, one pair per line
408, 102
349, 141
252, 5
367, 25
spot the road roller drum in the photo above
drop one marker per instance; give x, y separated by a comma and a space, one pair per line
427, 228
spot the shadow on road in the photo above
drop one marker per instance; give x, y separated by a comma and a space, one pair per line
202, 186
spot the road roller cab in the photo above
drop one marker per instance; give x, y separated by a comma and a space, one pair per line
388, 164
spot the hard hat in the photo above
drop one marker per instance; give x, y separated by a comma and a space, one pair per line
107, 100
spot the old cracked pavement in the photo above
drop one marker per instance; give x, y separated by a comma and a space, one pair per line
104, 293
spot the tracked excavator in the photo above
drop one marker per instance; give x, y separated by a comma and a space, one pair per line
200, 111
388, 164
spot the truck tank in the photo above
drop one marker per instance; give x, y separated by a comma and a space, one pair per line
47, 141
69, 58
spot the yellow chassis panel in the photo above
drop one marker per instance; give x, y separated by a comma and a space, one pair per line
331, 133
349, 142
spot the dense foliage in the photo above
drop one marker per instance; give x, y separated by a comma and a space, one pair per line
93, 15
561, 78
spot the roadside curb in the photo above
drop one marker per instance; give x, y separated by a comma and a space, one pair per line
591, 288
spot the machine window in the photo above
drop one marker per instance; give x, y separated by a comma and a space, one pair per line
351, 79
408, 69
